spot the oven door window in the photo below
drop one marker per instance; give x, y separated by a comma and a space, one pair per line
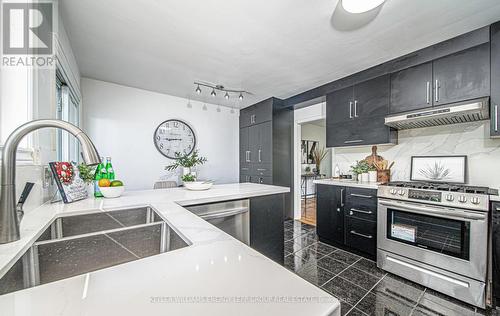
443, 235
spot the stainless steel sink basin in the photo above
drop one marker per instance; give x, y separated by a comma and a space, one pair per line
79, 244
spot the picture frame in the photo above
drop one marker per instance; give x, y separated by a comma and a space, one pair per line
306, 149
439, 169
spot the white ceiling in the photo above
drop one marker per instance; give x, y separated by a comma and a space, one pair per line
271, 48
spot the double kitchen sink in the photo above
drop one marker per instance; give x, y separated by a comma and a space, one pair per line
74, 245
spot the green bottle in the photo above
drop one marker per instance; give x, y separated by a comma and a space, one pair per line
98, 176
109, 169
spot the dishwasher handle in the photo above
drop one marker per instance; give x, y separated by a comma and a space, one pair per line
225, 213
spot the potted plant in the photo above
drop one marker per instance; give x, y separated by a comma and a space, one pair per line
87, 175
318, 155
187, 162
360, 168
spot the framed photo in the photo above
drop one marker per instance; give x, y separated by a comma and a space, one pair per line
306, 148
446, 169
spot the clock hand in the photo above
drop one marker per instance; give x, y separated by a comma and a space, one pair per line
173, 139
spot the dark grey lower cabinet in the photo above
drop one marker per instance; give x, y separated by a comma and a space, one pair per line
267, 215
347, 218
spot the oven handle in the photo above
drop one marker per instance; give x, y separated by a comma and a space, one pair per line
434, 211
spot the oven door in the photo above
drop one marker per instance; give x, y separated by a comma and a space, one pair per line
448, 238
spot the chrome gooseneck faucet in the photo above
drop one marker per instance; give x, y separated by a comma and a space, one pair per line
9, 216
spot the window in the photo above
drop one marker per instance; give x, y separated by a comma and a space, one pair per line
68, 109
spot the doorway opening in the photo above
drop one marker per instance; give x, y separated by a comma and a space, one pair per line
309, 143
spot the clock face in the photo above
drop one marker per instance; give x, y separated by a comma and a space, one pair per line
174, 136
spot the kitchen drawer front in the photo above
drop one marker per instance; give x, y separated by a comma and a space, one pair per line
362, 197
360, 210
261, 179
262, 170
245, 169
361, 235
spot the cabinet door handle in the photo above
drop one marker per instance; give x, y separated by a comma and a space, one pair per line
260, 151
261, 180
361, 211
355, 108
342, 197
353, 141
496, 117
361, 235
436, 92
428, 91
361, 195
350, 109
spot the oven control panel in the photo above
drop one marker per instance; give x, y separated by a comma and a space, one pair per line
479, 202
424, 195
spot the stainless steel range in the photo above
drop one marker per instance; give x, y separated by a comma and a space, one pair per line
435, 235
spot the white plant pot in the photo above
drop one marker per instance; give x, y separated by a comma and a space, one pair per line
364, 177
372, 176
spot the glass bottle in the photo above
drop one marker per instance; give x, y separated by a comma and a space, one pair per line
109, 169
98, 176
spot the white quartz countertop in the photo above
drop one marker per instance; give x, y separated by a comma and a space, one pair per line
348, 183
215, 275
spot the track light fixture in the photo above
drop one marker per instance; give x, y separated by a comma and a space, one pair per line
219, 88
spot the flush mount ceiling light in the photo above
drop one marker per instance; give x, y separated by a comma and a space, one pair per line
360, 6
219, 87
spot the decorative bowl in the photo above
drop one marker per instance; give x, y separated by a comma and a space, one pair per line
112, 192
198, 185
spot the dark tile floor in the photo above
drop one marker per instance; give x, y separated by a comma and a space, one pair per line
361, 287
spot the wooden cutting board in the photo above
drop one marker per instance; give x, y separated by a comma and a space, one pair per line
374, 157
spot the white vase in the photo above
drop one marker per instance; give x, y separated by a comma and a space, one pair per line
372, 176
186, 170
364, 177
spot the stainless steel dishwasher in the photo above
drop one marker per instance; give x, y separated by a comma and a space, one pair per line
233, 217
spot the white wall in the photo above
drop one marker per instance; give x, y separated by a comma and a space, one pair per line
121, 121
471, 139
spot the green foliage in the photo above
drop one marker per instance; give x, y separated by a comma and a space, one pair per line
186, 161
360, 167
188, 178
86, 173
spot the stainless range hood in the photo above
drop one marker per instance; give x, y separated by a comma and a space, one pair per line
468, 111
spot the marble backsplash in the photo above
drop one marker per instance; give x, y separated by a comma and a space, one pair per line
471, 139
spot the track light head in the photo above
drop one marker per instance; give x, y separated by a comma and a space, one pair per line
198, 90
241, 96
213, 93
226, 96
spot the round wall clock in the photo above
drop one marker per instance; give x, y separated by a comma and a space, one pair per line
174, 136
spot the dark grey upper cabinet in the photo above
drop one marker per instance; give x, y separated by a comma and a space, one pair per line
371, 97
411, 89
462, 76
256, 114
339, 105
365, 99
369, 131
495, 80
